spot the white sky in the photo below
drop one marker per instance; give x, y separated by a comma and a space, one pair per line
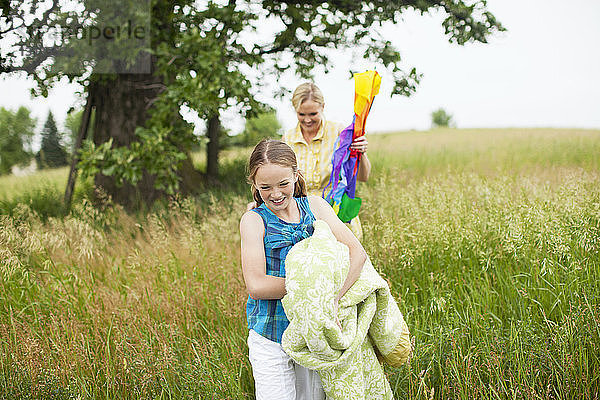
543, 72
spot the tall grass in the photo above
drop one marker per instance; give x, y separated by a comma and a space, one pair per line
126, 311
490, 239
485, 150
43, 192
498, 277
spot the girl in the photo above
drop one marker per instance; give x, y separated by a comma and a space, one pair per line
283, 216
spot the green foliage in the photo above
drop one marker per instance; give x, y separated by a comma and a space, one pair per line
206, 37
159, 149
226, 140
52, 153
16, 133
264, 125
492, 276
153, 153
440, 118
203, 52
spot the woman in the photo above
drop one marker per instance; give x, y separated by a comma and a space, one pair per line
313, 139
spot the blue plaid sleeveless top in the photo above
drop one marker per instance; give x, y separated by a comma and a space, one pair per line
267, 317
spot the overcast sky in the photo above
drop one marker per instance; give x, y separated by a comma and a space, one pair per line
543, 72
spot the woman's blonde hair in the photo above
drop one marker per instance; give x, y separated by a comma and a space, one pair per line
307, 91
270, 151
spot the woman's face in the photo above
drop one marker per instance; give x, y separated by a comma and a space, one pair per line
309, 116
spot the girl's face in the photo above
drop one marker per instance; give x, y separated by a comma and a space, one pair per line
275, 184
309, 116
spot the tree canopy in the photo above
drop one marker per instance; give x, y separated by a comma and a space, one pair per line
207, 56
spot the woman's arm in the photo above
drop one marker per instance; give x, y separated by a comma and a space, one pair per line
322, 210
364, 168
258, 283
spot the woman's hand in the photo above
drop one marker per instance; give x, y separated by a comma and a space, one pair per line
360, 144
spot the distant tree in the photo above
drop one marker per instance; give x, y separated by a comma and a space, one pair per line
72, 124
16, 133
226, 140
440, 118
52, 154
265, 125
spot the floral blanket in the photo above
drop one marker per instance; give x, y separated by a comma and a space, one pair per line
345, 358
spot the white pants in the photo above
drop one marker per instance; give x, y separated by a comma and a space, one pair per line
277, 376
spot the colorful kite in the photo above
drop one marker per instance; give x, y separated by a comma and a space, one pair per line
345, 162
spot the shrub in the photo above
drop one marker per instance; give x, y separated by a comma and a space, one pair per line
440, 118
262, 126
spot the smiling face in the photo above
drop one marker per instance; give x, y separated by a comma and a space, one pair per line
310, 114
275, 184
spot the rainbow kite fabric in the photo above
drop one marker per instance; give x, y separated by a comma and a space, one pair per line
345, 162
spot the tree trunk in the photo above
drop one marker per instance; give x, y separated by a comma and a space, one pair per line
122, 104
212, 148
81, 135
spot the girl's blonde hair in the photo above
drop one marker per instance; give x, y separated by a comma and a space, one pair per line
270, 151
307, 91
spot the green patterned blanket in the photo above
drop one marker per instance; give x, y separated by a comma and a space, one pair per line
345, 359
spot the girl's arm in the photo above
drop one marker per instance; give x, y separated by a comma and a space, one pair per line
322, 210
258, 283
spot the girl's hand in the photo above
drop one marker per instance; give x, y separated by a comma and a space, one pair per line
335, 313
322, 210
360, 144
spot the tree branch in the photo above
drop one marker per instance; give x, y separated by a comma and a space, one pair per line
46, 14
38, 59
12, 28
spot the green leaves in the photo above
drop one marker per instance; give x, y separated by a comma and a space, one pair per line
154, 154
440, 118
263, 125
210, 56
469, 23
16, 133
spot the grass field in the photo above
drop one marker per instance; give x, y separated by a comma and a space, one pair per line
490, 239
